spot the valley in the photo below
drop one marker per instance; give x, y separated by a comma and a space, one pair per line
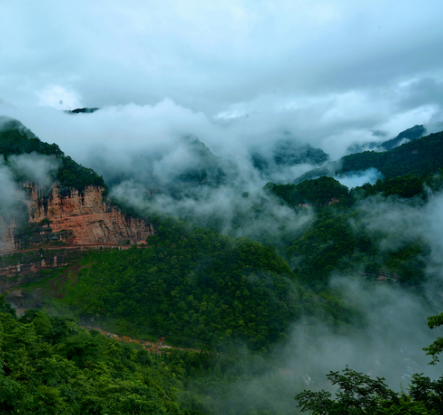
198, 293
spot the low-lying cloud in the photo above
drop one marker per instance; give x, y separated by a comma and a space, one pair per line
355, 179
32, 168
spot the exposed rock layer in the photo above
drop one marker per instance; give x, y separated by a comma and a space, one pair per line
76, 218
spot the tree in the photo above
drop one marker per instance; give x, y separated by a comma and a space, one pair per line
359, 394
437, 347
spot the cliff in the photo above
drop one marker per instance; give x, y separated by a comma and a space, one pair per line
73, 217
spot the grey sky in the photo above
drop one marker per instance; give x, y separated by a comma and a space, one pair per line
330, 72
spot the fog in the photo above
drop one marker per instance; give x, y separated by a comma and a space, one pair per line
32, 168
239, 76
392, 326
355, 179
233, 74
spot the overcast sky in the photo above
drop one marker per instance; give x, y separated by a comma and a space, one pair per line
330, 72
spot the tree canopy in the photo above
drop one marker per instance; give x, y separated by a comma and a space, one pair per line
360, 394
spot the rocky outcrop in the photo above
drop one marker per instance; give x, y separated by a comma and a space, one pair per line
7, 234
73, 217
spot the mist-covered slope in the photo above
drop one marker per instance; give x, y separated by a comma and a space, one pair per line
50, 200
404, 137
283, 154
16, 140
360, 231
418, 157
257, 267
198, 285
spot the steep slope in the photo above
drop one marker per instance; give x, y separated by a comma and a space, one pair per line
75, 218
199, 285
283, 154
404, 137
72, 210
340, 238
418, 157
16, 139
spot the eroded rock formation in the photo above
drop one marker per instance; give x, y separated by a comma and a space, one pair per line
75, 218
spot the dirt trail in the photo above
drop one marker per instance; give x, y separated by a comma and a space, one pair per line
154, 347
81, 247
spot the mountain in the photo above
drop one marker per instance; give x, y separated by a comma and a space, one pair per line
178, 170
203, 166
15, 139
418, 157
405, 137
285, 153
161, 279
69, 209
8, 124
319, 192
82, 111
183, 268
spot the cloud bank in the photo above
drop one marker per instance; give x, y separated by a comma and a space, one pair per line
332, 74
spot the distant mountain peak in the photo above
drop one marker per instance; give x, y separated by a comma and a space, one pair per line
404, 137
82, 110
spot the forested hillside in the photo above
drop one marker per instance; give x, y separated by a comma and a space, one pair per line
199, 285
418, 157
207, 288
339, 239
15, 139
50, 365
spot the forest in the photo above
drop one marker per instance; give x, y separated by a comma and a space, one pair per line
418, 157
234, 300
15, 141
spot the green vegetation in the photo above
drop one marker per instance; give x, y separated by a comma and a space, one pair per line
201, 285
406, 186
318, 192
214, 292
16, 141
419, 158
338, 239
49, 365
359, 394
410, 134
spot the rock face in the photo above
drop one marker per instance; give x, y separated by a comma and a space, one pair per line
7, 234
76, 218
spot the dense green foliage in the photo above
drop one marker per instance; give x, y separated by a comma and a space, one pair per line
359, 394
406, 186
318, 192
437, 346
50, 365
410, 134
203, 289
327, 245
200, 285
16, 141
338, 238
419, 157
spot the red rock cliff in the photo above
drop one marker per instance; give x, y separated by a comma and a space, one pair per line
78, 218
